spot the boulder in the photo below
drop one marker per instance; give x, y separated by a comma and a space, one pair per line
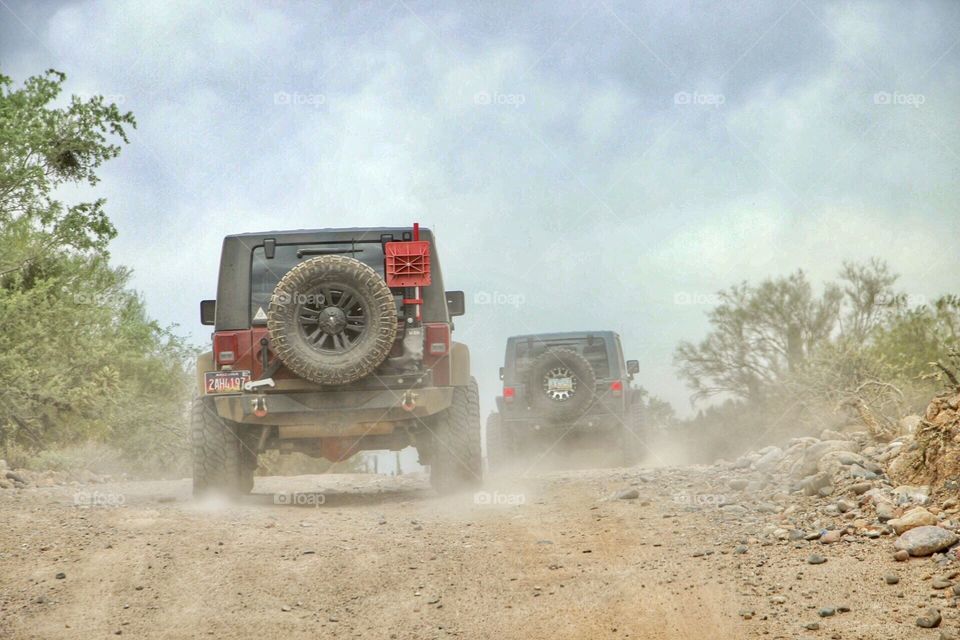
813, 453
926, 540
916, 517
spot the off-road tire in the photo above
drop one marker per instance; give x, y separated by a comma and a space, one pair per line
497, 449
632, 435
456, 460
584, 377
291, 345
217, 458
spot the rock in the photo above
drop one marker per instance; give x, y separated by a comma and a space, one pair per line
771, 456
740, 550
886, 511
947, 635
285, 607
925, 540
940, 582
816, 559
908, 424
930, 619
61, 576
843, 506
826, 612
901, 556
831, 536
812, 626
856, 471
813, 453
747, 614
891, 578
917, 494
916, 517
812, 484
738, 484
861, 488
627, 494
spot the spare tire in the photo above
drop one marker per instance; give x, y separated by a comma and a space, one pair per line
332, 320
561, 384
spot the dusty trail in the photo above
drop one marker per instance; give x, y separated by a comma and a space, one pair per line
386, 558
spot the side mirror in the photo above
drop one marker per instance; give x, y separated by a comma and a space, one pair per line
501, 373
455, 303
208, 311
633, 366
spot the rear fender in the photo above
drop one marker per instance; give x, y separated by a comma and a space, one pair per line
204, 364
459, 364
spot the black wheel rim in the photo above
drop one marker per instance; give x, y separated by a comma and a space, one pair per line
332, 318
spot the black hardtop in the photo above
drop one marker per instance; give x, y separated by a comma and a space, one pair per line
233, 285
563, 335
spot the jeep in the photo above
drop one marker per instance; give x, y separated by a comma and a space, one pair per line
329, 342
565, 386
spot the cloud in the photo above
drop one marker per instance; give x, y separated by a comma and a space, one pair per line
546, 146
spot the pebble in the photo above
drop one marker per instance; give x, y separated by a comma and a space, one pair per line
930, 619
891, 578
627, 494
826, 612
812, 626
61, 576
816, 559
901, 556
940, 583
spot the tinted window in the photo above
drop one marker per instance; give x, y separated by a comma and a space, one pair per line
265, 274
595, 351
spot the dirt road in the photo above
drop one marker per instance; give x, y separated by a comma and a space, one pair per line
552, 556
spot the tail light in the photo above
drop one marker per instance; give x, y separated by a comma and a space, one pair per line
509, 393
225, 348
616, 388
436, 339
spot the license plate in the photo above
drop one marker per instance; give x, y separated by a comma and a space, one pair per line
225, 381
560, 384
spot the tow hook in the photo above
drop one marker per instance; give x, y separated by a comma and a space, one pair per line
260, 406
253, 385
409, 401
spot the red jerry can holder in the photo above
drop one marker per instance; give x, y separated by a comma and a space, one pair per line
408, 263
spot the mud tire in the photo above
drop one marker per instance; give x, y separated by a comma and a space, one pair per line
456, 460
290, 298
218, 462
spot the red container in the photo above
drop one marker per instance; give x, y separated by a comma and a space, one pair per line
408, 263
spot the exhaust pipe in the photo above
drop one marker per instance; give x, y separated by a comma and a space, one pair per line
260, 406
409, 401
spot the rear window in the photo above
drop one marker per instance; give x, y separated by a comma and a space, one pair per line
593, 349
266, 273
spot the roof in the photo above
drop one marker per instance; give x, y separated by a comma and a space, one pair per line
563, 335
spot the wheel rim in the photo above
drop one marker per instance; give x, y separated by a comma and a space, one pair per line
333, 318
560, 384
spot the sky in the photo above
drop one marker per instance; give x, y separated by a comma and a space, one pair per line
584, 165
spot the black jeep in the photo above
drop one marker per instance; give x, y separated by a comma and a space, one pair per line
562, 387
329, 342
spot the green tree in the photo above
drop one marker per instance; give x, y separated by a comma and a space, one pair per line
79, 357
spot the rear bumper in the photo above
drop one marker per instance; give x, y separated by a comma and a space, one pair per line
592, 423
335, 412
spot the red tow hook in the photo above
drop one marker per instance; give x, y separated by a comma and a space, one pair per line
409, 401
260, 406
